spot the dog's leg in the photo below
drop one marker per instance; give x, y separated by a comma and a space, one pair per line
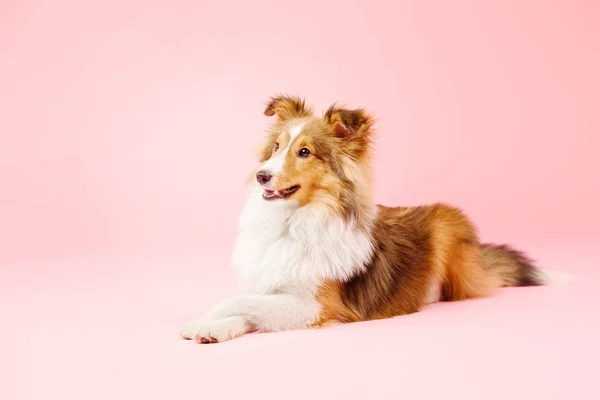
239, 315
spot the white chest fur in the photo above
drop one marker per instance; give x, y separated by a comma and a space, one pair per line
285, 248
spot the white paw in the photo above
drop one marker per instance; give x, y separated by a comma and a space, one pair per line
214, 331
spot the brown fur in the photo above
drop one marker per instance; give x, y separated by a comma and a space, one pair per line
287, 107
415, 248
513, 267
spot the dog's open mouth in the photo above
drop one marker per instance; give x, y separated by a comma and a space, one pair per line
279, 194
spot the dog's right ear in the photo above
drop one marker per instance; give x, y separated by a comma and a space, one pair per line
287, 107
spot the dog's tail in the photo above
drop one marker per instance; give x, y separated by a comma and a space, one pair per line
514, 268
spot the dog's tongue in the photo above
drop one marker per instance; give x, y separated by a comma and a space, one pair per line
273, 194
279, 194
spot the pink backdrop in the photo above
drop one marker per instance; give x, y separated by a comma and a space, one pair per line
115, 114
126, 131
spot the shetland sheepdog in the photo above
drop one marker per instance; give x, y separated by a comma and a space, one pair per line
313, 247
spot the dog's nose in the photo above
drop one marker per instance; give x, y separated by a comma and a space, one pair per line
263, 177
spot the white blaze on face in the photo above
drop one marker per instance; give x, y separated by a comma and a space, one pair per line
295, 131
275, 164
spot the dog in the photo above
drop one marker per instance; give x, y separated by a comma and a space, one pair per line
313, 247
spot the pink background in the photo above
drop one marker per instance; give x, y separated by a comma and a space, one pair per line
126, 132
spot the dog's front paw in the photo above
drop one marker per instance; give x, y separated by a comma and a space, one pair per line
199, 330
214, 331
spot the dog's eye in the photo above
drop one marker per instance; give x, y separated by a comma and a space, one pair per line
276, 146
304, 152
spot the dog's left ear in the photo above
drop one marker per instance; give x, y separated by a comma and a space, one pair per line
287, 107
348, 123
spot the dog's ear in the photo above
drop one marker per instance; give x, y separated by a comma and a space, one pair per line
348, 123
287, 107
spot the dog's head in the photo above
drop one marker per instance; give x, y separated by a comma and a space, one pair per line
308, 158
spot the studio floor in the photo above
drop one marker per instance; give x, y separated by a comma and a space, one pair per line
107, 328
